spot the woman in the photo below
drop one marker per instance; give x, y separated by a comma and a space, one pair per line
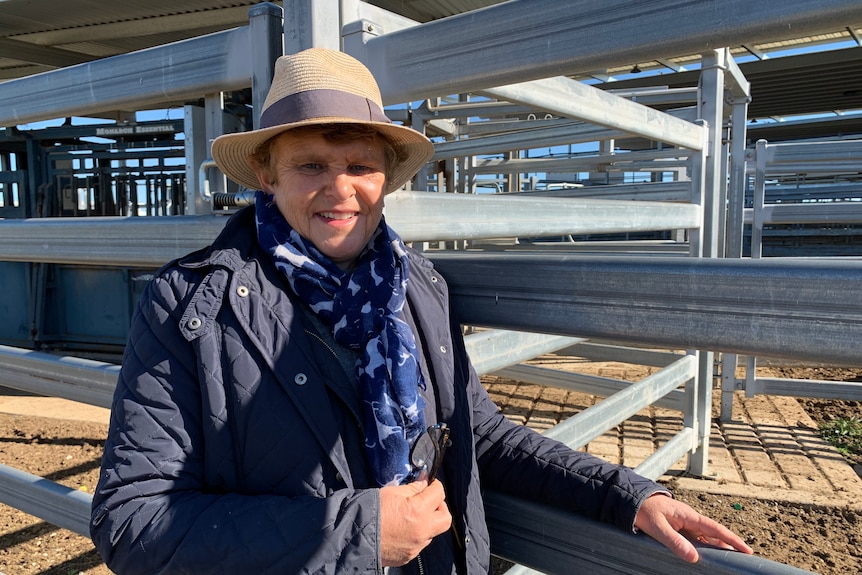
278, 386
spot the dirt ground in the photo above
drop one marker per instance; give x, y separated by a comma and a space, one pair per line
826, 540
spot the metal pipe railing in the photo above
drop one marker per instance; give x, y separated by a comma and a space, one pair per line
801, 309
417, 216
582, 428
57, 504
557, 542
71, 378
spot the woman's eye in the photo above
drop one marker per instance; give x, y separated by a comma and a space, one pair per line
311, 168
361, 170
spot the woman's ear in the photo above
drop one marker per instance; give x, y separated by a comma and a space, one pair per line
264, 182
262, 175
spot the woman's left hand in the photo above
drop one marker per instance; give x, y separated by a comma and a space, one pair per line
671, 522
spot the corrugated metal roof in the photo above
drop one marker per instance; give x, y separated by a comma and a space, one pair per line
427, 10
802, 84
24, 16
40, 36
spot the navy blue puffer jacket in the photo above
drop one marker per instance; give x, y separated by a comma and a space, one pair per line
235, 443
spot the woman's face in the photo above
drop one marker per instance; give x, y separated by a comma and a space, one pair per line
331, 193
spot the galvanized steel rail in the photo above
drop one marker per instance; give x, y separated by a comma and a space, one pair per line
560, 543
73, 378
417, 216
580, 429
57, 504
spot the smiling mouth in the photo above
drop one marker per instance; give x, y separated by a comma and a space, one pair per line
338, 215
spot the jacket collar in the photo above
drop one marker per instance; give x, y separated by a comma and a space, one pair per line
232, 248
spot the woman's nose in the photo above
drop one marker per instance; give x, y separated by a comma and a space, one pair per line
341, 184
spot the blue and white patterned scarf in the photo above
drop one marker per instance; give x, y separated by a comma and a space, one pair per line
363, 308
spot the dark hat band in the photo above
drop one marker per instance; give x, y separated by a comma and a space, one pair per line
321, 104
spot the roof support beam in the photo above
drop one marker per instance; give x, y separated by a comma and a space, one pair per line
670, 64
44, 55
759, 54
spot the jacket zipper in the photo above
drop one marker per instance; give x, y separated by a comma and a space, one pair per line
420, 565
325, 344
323, 341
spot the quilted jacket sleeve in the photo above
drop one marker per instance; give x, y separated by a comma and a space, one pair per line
515, 459
153, 512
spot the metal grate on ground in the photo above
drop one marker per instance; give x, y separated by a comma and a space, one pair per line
771, 449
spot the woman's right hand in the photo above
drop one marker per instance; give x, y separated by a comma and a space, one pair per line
410, 516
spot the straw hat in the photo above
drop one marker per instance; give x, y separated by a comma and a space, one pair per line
319, 86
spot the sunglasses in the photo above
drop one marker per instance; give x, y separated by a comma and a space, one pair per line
428, 451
